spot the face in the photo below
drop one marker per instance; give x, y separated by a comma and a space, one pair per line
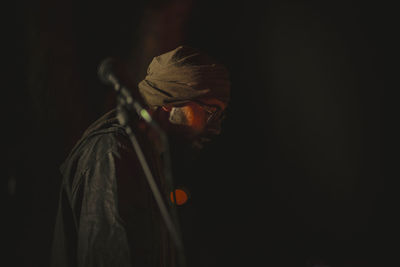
198, 121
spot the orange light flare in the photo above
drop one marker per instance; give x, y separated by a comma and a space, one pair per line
181, 196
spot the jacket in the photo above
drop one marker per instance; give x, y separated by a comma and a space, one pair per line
107, 215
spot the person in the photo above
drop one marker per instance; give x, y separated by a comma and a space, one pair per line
107, 214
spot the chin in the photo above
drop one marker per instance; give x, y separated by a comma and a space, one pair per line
200, 142
197, 145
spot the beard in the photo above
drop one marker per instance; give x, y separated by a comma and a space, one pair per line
200, 142
187, 141
183, 136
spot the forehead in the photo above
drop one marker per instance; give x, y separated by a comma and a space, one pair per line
213, 102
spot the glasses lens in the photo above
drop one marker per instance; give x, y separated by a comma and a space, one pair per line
219, 115
214, 113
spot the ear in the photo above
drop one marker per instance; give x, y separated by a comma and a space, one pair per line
166, 108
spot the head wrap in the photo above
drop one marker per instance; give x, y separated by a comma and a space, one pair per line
182, 75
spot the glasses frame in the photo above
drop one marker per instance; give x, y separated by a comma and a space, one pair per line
215, 112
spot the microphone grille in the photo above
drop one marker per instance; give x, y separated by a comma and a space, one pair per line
105, 70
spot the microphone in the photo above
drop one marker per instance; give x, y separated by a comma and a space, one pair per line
106, 73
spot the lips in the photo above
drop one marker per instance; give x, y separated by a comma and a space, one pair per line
212, 131
205, 139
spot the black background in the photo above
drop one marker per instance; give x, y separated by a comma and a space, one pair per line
295, 178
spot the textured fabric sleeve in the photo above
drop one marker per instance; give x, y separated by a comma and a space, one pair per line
102, 239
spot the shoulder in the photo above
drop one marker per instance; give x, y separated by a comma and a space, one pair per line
103, 137
96, 161
97, 145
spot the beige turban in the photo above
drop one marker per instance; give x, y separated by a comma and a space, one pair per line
182, 75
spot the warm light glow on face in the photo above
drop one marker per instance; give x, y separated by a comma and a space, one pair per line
195, 116
181, 197
198, 121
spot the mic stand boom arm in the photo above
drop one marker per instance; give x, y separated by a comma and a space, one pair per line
125, 105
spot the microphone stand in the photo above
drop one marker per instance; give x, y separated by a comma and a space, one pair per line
125, 105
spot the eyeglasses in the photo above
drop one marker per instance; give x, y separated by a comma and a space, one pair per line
215, 113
